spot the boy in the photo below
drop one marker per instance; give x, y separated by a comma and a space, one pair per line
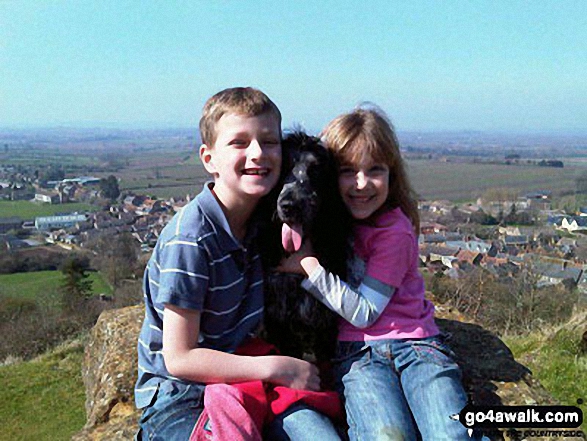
203, 284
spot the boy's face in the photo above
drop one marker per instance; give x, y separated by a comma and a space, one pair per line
245, 159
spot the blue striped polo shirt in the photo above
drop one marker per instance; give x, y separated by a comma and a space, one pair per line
198, 264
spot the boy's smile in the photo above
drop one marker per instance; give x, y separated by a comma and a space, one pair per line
245, 159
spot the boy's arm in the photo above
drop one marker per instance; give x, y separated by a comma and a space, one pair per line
184, 359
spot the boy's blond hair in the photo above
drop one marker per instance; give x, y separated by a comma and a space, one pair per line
246, 101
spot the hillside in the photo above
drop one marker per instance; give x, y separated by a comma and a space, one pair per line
52, 383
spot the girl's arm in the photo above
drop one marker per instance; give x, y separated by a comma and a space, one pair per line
361, 307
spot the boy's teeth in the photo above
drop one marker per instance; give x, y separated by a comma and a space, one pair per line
255, 172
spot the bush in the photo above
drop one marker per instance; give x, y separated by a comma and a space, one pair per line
20, 262
12, 308
510, 305
30, 327
128, 294
31, 330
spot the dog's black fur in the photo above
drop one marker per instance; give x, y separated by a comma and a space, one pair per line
297, 323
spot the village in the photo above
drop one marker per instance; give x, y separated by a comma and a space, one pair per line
501, 236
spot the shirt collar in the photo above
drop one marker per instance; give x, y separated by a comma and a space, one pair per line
214, 213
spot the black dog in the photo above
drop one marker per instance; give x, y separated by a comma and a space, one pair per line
309, 207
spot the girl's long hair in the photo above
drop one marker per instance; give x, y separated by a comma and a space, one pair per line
367, 134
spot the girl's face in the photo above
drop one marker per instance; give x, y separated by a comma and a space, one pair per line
364, 187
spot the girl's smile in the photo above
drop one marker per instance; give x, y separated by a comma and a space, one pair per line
364, 188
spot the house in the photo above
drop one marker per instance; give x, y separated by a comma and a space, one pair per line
82, 180
509, 231
20, 193
432, 253
10, 242
566, 244
574, 223
538, 200
477, 246
516, 241
151, 206
9, 223
538, 195
442, 207
471, 257
555, 219
47, 198
134, 200
45, 223
431, 238
552, 271
432, 228
454, 236
554, 275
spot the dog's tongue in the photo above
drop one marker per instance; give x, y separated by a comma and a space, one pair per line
291, 237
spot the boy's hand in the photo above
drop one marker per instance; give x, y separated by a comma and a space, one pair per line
293, 373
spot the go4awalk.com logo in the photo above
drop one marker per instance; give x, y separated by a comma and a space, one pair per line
519, 417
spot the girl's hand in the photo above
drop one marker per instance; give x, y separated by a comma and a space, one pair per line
293, 373
292, 264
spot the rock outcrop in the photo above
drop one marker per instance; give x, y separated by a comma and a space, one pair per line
491, 375
109, 373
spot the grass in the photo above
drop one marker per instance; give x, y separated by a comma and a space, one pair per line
43, 399
556, 361
31, 285
30, 210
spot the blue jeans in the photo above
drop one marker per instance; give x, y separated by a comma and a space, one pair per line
177, 407
173, 413
401, 390
301, 422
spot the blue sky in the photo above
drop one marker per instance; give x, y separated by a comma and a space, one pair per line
432, 65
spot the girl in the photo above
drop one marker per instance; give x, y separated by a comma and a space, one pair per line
397, 377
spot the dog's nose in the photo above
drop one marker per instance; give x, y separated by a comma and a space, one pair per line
286, 205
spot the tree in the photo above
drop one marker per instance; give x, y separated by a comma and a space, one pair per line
75, 286
116, 259
500, 195
109, 187
51, 173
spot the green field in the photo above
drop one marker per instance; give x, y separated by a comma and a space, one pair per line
171, 167
467, 181
432, 179
31, 285
30, 210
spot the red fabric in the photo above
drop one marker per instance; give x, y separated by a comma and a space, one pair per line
281, 397
326, 402
238, 411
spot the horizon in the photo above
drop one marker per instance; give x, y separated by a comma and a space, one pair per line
484, 66
151, 127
